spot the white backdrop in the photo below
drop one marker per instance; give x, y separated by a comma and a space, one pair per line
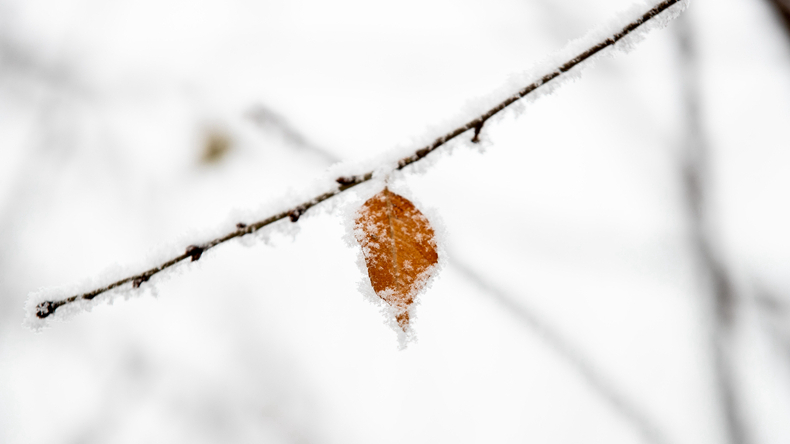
572, 307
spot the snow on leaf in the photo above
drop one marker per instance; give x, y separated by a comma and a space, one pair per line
399, 246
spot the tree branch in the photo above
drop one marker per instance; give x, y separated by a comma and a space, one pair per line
46, 308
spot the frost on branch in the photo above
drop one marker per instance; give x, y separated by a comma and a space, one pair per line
399, 246
397, 286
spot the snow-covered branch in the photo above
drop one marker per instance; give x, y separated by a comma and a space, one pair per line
622, 33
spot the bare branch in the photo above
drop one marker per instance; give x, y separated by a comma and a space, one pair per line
47, 308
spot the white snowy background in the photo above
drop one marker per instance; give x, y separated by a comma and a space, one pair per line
574, 306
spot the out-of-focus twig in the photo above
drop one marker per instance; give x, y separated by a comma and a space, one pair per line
775, 313
783, 9
722, 301
266, 118
571, 354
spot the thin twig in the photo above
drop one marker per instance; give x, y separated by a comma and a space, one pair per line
577, 360
46, 308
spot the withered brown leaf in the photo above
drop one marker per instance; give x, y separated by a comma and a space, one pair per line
399, 246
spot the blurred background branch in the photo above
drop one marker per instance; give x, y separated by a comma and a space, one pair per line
783, 10
571, 355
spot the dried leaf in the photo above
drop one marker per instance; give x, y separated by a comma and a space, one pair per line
399, 246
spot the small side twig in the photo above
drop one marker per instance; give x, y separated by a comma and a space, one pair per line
478, 128
139, 281
194, 251
47, 308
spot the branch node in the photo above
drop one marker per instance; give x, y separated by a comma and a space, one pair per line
478, 127
241, 226
346, 180
139, 280
297, 213
194, 251
45, 309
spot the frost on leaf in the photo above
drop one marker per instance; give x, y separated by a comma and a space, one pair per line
399, 247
